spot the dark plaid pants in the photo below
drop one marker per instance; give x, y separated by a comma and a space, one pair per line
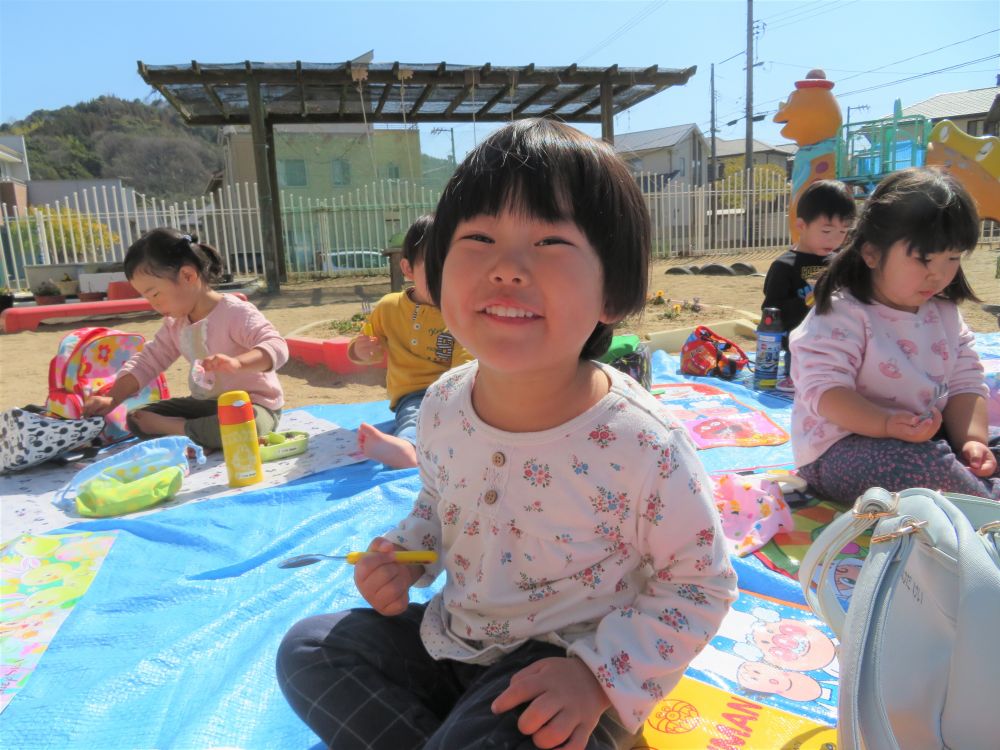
365, 681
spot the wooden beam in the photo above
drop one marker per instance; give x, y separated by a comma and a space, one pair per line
460, 97
497, 97
571, 96
386, 89
532, 98
284, 118
424, 95
440, 74
211, 93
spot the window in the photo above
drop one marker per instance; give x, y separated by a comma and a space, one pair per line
341, 172
392, 171
974, 128
681, 170
291, 173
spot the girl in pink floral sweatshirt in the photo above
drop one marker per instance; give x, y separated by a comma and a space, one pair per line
229, 344
889, 389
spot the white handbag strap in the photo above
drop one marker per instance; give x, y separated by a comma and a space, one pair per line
975, 659
876, 503
860, 675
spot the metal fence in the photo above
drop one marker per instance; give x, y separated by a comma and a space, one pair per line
344, 234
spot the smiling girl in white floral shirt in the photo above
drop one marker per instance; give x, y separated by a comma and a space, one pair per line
583, 557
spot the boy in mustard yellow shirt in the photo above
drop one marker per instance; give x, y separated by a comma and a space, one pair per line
408, 328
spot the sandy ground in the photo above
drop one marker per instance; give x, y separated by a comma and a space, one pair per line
307, 308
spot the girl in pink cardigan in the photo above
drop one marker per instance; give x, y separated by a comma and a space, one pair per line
889, 388
230, 345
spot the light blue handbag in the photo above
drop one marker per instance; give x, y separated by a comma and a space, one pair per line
920, 642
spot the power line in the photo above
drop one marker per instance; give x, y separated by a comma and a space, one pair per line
819, 12
798, 65
922, 54
887, 83
627, 26
793, 11
921, 75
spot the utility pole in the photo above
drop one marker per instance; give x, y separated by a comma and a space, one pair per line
435, 131
713, 171
857, 108
748, 155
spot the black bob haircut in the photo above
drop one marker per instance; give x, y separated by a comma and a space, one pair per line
829, 198
926, 208
552, 172
416, 239
164, 251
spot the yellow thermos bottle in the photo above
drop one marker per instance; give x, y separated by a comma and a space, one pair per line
239, 439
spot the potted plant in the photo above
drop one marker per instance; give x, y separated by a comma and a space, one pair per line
6, 297
68, 286
47, 293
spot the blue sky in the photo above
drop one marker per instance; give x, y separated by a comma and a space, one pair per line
54, 54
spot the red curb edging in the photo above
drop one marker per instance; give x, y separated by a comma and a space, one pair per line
332, 353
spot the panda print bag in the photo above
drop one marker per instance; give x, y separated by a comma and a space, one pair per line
29, 437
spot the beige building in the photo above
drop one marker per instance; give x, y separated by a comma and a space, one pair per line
763, 153
321, 162
677, 153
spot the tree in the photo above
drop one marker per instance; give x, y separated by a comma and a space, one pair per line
769, 183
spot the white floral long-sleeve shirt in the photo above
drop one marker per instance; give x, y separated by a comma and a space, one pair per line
599, 535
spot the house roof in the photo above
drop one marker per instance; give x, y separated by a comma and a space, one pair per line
360, 91
734, 146
955, 104
651, 140
9, 155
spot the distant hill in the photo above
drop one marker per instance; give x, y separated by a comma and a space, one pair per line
146, 145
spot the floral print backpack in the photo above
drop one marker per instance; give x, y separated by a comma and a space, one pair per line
86, 363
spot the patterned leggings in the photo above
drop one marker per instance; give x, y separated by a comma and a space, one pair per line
853, 464
361, 680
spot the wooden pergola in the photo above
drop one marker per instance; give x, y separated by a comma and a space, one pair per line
263, 95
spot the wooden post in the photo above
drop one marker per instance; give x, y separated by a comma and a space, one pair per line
279, 234
607, 113
266, 192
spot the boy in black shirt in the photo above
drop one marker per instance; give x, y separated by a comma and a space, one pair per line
824, 214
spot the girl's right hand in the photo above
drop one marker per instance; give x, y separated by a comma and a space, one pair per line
383, 582
368, 348
913, 428
98, 406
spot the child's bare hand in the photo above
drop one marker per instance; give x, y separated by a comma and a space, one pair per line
98, 406
913, 428
221, 363
979, 458
368, 348
383, 582
564, 699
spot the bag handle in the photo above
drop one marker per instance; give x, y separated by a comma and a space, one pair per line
814, 571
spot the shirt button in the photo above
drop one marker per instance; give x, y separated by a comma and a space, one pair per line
499, 459
490, 497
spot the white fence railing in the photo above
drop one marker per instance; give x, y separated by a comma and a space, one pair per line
343, 234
